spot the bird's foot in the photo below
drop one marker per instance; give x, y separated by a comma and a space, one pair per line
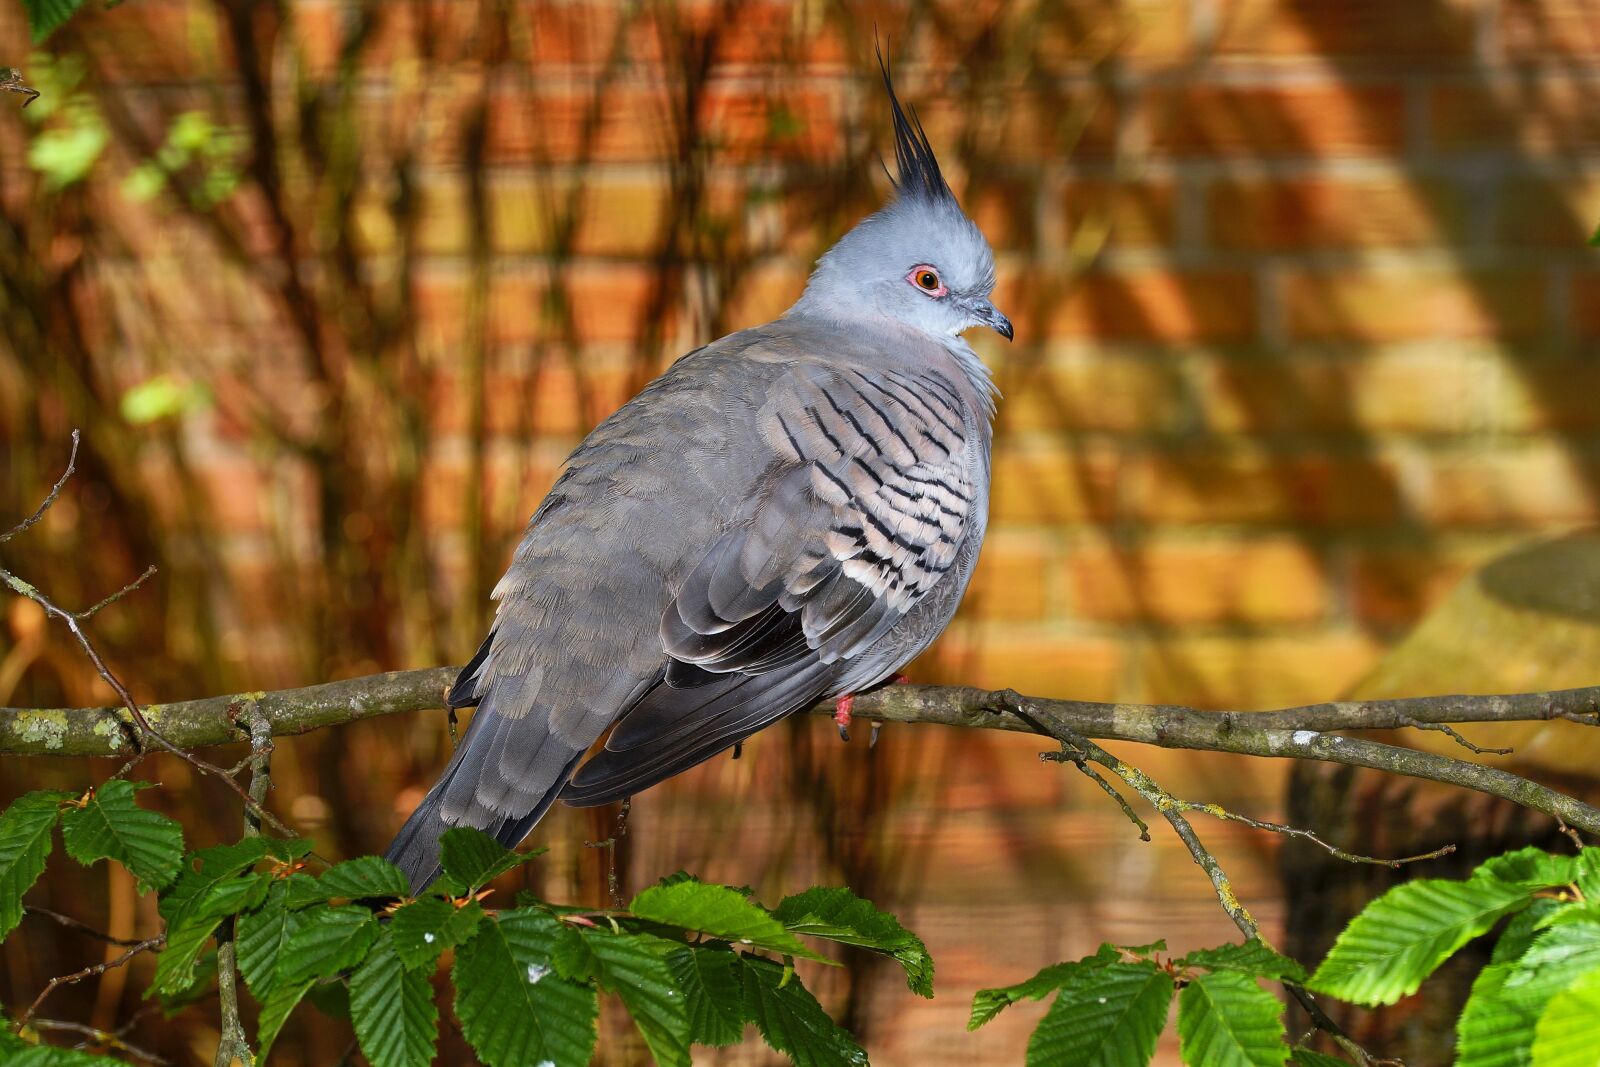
841, 714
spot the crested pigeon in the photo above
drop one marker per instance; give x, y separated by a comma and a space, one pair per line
788, 514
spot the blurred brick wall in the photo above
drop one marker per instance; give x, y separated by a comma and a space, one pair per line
1306, 326
1306, 319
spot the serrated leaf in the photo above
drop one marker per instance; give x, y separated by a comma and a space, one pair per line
635, 967
470, 859
47, 16
1568, 1032
1496, 1028
364, 878
329, 940
1587, 875
1521, 929
1254, 957
261, 938
275, 1011
200, 987
1400, 938
1226, 1020
721, 912
1304, 1057
1109, 1016
203, 870
111, 825
710, 980
396, 1020
1531, 868
790, 1019
987, 1003
24, 846
839, 915
175, 965
514, 1009
424, 928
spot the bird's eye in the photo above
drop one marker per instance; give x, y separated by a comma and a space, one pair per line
927, 279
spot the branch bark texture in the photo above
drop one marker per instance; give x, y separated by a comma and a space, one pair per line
1315, 731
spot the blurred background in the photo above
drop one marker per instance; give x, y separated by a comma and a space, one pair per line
1307, 330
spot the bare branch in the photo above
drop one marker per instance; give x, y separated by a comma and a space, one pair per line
100, 1038
89, 972
81, 927
1454, 735
9, 79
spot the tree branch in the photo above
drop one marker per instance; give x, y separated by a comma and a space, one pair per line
1313, 732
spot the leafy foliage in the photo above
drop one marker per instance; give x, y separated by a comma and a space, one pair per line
24, 845
47, 16
107, 824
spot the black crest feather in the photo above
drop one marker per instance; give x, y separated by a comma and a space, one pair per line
918, 168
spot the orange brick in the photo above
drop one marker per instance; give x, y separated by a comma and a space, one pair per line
1023, 127
161, 41
615, 216
1333, 213
1095, 389
1253, 673
1525, 488
1132, 214
1234, 485
1414, 304
1348, 28
1088, 31
1044, 485
1033, 660
1144, 305
763, 293
1586, 303
1544, 392
1544, 114
1548, 211
1012, 579
558, 397
1404, 390
1312, 120
1537, 30
1179, 583
1396, 587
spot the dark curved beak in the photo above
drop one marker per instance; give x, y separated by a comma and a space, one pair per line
989, 315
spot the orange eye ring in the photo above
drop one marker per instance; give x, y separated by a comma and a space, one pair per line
927, 279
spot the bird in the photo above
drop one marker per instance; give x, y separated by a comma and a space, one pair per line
786, 515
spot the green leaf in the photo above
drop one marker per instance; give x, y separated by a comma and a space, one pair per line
471, 859
1400, 938
275, 1012
366, 878
1532, 868
791, 1020
24, 846
396, 1020
1107, 1016
1587, 875
261, 938
423, 929
200, 987
635, 967
47, 16
1568, 1033
66, 154
1145, 951
721, 912
165, 395
110, 825
839, 915
175, 966
1226, 1020
1522, 928
513, 1009
330, 940
205, 869
987, 1003
47, 1056
710, 980
1497, 1026
1254, 957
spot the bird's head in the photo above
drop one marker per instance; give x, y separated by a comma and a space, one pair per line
920, 260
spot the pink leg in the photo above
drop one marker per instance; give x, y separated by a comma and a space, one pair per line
841, 714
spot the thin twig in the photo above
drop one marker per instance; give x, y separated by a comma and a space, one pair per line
11, 81
1217, 811
81, 927
10, 76
89, 972
100, 1038
149, 572
1074, 756
1455, 735
1171, 808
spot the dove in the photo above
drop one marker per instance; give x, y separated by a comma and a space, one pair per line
786, 515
